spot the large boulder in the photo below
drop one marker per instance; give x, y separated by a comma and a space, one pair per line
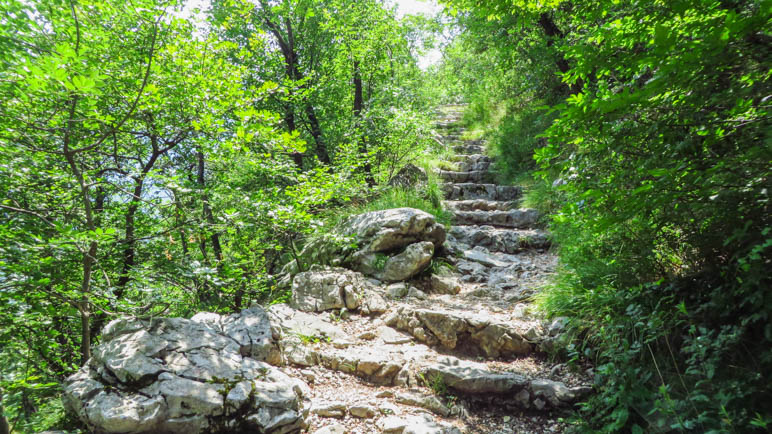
393, 229
175, 375
389, 245
329, 288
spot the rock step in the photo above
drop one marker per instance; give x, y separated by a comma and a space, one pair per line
473, 165
477, 176
469, 149
479, 204
466, 191
416, 365
515, 218
476, 334
500, 240
470, 157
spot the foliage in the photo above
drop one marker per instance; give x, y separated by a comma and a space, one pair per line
152, 164
655, 155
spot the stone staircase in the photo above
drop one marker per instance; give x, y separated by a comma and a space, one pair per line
456, 352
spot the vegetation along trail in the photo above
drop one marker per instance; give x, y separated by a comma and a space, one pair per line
339, 216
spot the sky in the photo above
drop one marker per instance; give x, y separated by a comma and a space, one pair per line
411, 7
404, 7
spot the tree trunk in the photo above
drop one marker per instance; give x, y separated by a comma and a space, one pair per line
316, 132
289, 118
207, 210
358, 107
553, 32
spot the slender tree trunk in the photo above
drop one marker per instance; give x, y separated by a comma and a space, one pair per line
289, 118
129, 240
316, 132
358, 107
207, 210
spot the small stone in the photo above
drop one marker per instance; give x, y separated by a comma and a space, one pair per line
523, 398
329, 409
362, 411
539, 404
506, 419
309, 375
342, 343
520, 311
416, 293
396, 290
384, 394
558, 325
367, 336
387, 409
444, 285
393, 337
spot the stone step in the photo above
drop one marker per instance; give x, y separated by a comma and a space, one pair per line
468, 149
466, 191
479, 204
515, 218
475, 378
471, 333
499, 240
474, 165
478, 176
471, 157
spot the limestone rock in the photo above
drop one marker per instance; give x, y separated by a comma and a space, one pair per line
177, 375
474, 378
484, 258
448, 328
414, 259
444, 285
396, 290
386, 230
418, 399
332, 429
287, 321
362, 411
328, 288
415, 424
329, 409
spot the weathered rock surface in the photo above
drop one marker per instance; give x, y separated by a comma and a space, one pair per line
475, 378
335, 288
416, 424
466, 191
477, 333
444, 285
386, 230
414, 259
500, 240
174, 375
515, 218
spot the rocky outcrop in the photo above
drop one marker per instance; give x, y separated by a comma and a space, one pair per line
393, 229
174, 375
